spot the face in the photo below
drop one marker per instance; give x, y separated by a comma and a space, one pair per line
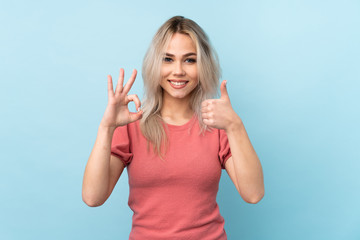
179, 75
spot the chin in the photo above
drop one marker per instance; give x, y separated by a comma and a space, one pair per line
179, 96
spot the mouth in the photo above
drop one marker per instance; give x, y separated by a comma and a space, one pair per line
178, 83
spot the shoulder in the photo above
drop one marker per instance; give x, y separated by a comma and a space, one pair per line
206, 135
134, 131
128, 131
134, 125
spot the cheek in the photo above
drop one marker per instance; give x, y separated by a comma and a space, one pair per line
193, 72
195, 75
165, 71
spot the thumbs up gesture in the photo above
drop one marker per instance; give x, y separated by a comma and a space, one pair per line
218, 113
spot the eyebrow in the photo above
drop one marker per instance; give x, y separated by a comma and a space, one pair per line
185, 55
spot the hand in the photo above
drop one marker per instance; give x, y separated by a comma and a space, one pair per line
117, 112
218, 113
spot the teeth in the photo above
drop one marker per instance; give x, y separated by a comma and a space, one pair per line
178, 83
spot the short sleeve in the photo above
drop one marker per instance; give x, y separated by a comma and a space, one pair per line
120, 145
224, 149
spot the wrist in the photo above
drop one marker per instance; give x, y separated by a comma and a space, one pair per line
106, 127
235, 125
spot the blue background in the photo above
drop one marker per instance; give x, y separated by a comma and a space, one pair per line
293, 71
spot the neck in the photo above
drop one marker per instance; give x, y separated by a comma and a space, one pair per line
176, 110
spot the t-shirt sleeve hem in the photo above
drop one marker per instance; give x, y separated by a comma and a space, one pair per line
225, 159
124, 162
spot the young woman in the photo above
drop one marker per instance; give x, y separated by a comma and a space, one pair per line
175, 146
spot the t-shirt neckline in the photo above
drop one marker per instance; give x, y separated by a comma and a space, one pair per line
181, 127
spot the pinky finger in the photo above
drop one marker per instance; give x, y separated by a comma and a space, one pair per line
110, 86
207, 122
204, 115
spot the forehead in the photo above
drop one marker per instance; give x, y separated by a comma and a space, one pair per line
181, 43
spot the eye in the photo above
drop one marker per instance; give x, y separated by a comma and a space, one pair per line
167, 59
190, 60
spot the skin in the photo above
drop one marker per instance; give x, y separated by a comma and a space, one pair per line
103, 169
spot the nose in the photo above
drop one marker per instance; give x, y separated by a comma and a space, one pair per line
178, 69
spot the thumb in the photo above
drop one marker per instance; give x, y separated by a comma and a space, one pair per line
223, 90
135, 116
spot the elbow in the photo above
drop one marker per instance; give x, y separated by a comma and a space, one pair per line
255, 199
91, 201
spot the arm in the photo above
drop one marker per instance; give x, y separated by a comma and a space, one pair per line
103, 169
243, 167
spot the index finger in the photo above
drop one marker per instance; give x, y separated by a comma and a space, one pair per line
130, 82
205, 103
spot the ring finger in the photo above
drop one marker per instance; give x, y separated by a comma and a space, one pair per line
119, 86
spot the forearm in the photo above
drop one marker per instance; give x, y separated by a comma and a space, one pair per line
97, 171
246, 164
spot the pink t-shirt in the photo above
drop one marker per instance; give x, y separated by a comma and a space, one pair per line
175, 197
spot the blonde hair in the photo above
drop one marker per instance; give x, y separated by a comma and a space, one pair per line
152, 125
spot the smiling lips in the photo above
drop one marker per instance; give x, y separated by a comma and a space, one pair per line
178, 83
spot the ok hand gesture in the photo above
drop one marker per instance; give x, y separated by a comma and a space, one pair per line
117, 112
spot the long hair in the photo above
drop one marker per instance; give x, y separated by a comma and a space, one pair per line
151, 124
